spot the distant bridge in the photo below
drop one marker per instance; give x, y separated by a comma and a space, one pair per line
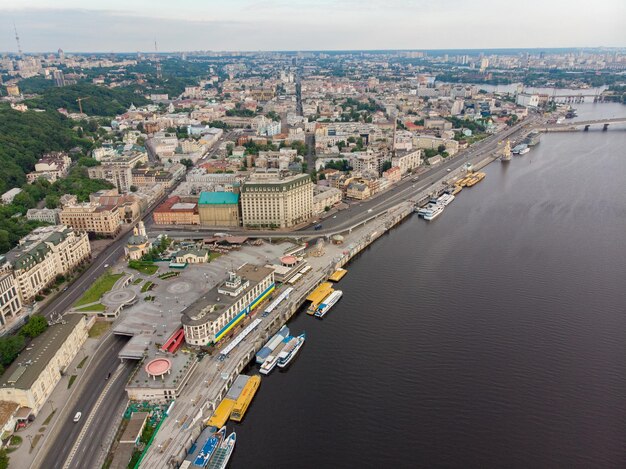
584, 125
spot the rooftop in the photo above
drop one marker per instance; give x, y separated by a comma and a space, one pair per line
212, 305
29, 364
218, 198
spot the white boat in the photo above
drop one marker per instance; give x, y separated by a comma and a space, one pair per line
432, 211
445, 199
291, 350
222, 455
268, 365
328, 303
523, 151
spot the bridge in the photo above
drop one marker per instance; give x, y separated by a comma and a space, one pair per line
584, 125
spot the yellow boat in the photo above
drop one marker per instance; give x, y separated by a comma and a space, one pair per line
456, 189
221, 414
318, 295
244, 399
338, 275
476, 178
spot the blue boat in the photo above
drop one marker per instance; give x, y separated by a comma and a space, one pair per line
208, 448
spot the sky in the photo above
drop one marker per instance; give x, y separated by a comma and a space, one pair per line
185, 25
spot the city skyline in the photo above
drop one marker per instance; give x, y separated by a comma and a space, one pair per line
327, 25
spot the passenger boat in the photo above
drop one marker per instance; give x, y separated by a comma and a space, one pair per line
209, 447
431, 211
291, 350
524, 150
445, 199
222, 454
328, 303
268, 365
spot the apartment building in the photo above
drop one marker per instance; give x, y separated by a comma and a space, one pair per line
42, 255
10, 302
276, 202
117, 170
324, 196
46, 215
407, 161
210, 318
104, 220
51, 166
175, 211
32, 377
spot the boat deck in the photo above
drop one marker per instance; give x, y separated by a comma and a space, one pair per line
338, 275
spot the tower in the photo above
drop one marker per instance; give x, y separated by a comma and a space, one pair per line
158, 62
17, 39
141, 229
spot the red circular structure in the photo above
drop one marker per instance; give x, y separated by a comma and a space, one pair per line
288, 260
158, 366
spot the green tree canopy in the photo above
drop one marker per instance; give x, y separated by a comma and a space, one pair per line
35, 326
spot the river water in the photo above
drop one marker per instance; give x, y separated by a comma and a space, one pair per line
494, 336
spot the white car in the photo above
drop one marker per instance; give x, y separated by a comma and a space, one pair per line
77, 417
369, 211
448, 170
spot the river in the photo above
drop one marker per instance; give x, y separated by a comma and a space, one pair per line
494, 336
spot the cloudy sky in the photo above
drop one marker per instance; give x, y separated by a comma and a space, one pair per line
133, 25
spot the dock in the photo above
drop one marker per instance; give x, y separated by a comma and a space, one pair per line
338, 275
318, 295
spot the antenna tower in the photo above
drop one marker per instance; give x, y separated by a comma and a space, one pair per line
17, 39
158, 62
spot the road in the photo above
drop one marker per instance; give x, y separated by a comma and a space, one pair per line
64, 432
93, 383
358, 212
91, 386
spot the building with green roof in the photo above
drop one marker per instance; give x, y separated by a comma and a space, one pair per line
219, 209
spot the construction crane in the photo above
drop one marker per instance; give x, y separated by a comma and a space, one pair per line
80, 103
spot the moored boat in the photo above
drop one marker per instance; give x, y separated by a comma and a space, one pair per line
223, 453
291, 350
328, 303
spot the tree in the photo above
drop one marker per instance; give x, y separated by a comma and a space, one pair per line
35, 326
441, 148
386, 165
4, 459
134, 188
52, 201
10, 348
186, 162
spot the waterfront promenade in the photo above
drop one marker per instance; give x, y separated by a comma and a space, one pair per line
212, 377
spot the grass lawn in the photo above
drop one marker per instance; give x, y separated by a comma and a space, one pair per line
99, 288
99, 328
71, 381
137, 281
214, 255
146, 268
146, 286
82, 362
47, 421
96, 307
